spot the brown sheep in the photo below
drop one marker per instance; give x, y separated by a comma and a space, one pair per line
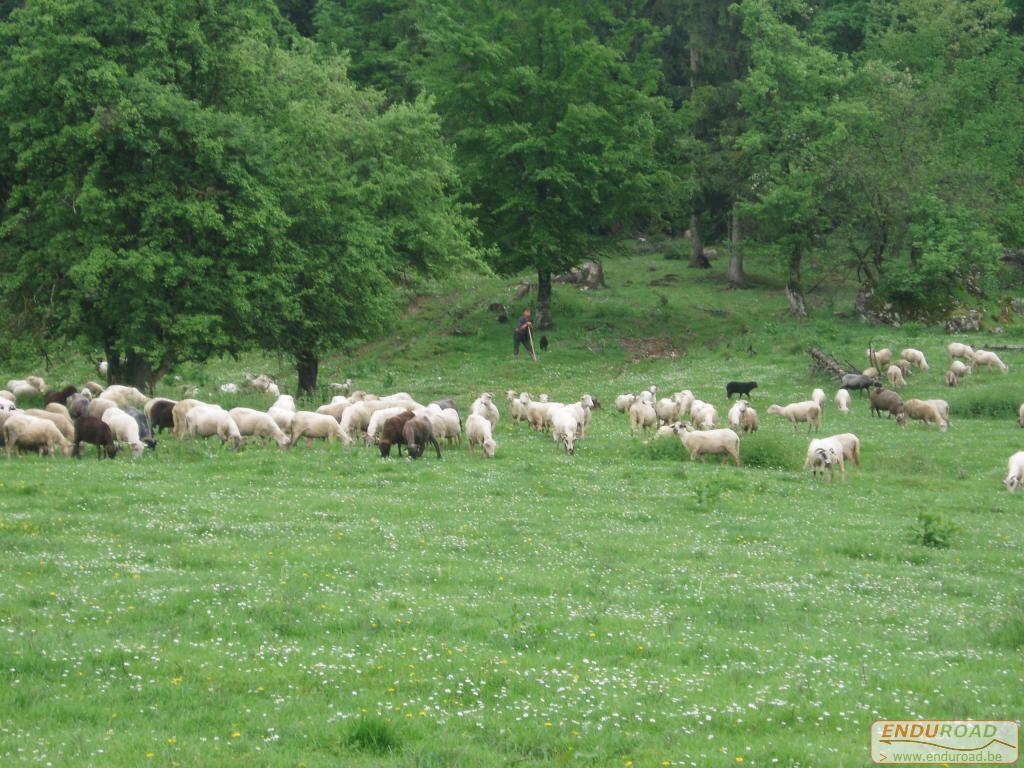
417, 433
886, 400
89, 429
58, 396
392, 433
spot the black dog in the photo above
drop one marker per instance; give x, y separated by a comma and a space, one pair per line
739, 388
543, 343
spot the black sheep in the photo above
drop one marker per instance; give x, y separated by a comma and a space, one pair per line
543, 343
89, 429
58, 396
161, 414
739, 388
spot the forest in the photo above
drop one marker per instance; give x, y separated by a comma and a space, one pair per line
186, 179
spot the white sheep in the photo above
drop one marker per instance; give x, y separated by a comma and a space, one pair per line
882, 356
286, 403
478, 432
23, 431
920, 410
452, 427
33, 385
376, 422
59, 408
823, 454
102, 367
915, 356
685, 399
484, 406
716, 441
282, 417
344, 388
843, 400
6, 394
818, 396
1015, 471
98, 406
904, 366
748, 422
539, 414
667, 410
942, 407
253, 423
7, 403
93, 388
704, 415
206, 421
871, 373
988, 359
1020, 415
60, 420
564, 427
179, 414
959, 369
125, 396
806, 410
642, 416
851, 446
356, 418
622, 402
315, 425
895, 376
669, 430
124, 428
335, 408
735, 414
956, 349
516, 407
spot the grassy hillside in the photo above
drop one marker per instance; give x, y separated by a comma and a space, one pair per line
621, 607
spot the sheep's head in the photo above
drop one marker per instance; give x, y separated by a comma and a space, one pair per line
489, 448
150, 443
524, 398
1012, 483
385, 448
587, 401
112, 450
415, 450
901, 417
486, 397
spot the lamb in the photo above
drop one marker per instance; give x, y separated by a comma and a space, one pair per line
956, 349
641, 416
824, 454
669, 430
942, 407
623, 402
99, 406
478, 432
213, 421
921, 410
739, 388
393, 433
78, 404
895, 376
309, 425
704, 415
843, 400
125, 429
887, 400
29, 387
960, 370
742, 417
61, 421
804, 411
253, 423
916, 357
516, 407
717, 441
418, 432
23, 431
59, 396
881, 356
484, 406
818, 396
161, 413
748, 422
853, 381
124, 396
89, 429
988, 359
735, 414
851, 446
1015, 471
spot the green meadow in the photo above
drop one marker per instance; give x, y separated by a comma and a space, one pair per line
620, 607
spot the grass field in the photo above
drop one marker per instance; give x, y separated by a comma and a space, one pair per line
622, 607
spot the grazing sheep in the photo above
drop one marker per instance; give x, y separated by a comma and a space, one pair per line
452, 427
1015, 471
959, 369
286, 403
93, 388
988, 359
33, 433
818, 396
160, 413
418, 432
904, 366
253, 423
539, 414
851, 446
956, 349
739, 388
78, 404
59, 396
125, 396
355, 418
717, 441
942, 407
344, 388
852, 381
315, 425
484, 406
393, 433
213, 421
704, 415
881, 356
179, 414
145, 432
916, 357
564, 426
642, 416
843, 400
61, 421
871, 373
951, 379
25, 387
823, 454
888, 401
89, 429
58, 408
99, 406
623, 402
667, 410
895, 376
262, 383
125, 429
478, 432
920, 410
669, 430
804, 411
377, 420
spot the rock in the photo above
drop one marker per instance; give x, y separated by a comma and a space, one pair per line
589, 274
968, 321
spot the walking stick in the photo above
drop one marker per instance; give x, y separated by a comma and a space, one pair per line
533, 354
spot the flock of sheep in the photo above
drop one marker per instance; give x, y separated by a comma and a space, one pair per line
116, 415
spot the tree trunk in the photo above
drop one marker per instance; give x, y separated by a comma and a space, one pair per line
696, 246
794, 286
544, 300
132, 370
307, 365
736, 276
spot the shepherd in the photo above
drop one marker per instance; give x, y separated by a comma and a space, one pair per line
523, 334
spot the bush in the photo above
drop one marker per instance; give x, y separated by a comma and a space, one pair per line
934, 530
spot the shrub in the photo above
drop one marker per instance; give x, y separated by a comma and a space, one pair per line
934, 530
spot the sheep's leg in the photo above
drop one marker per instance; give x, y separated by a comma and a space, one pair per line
436, 447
